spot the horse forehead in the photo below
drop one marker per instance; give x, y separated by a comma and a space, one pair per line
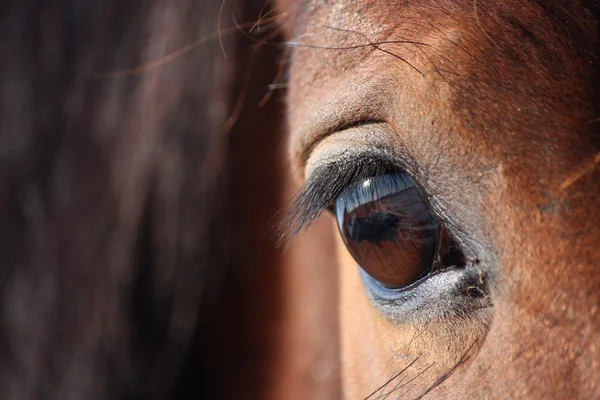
526, 25
513, 67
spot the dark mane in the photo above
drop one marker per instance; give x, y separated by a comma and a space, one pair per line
115, 188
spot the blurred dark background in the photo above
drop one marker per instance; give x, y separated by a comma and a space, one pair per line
135, 173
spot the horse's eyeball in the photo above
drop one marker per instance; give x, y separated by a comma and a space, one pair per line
388, 228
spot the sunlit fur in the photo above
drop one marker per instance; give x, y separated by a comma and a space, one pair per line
495, 107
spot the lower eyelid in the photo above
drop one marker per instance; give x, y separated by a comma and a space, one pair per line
435, 297
392, 294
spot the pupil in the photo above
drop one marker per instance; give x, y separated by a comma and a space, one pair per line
374, 228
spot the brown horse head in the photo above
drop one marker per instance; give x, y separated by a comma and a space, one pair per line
456, 144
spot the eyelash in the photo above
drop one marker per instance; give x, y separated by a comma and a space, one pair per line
324, 186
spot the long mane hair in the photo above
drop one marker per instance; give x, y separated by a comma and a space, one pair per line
127, 144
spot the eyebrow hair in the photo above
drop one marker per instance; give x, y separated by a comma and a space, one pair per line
324, 186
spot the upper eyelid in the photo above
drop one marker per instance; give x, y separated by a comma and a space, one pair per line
314, 141
358, 141
355, 106
328, 181
347, 157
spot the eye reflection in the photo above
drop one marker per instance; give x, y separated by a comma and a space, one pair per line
386, 225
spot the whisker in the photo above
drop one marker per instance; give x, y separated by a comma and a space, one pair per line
415, 337
376, 45
458, 45
352, 47
385, 395
415, 377
395, 376
460, 362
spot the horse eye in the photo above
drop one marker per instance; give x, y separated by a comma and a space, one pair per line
387, 227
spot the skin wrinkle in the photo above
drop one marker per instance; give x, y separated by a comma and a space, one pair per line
496, 121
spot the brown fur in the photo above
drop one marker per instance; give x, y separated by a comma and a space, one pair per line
494, 104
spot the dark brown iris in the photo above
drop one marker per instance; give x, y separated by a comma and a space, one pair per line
388, 228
